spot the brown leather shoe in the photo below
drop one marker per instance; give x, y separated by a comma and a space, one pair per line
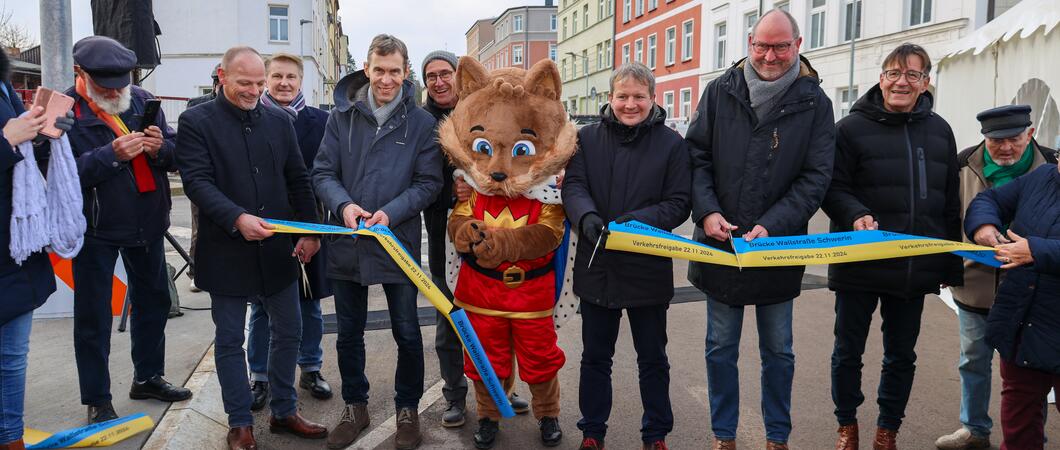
242, 438
408, 434
353, 421
724, 444
298, 426
848, 437
13, 445
770, 445
885, 440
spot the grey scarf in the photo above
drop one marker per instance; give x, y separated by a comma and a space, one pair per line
766, 94
383, 113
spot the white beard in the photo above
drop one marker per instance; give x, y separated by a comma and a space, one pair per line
116, 106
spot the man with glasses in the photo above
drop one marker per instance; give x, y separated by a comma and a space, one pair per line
895, 170
439, 68
762, 146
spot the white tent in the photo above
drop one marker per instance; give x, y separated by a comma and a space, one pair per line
1014, 59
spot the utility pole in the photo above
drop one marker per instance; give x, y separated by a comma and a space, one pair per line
56, 44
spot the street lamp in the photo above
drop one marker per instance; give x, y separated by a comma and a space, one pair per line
585, 73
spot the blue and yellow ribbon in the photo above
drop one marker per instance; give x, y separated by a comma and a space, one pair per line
404, 260
101, 434
827, 248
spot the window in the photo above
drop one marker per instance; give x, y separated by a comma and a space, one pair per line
278, 23
625, 53
552, 22
671, 43
686, 102
640, 8
749, 20
782, 5
919, 12
600, 56
517, 24
638, 52
851, 19
627, 10
817, 23
610, 7
686, 44
574, 23
601, 9
845, 96
720, 39
552, 52
563, 70
585, 14
585, 62
668, 103
607, 53
517, 54
564, 28
651, 50
652, 4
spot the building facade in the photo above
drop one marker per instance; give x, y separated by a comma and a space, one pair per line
585, 52
522, 36
828, 26
665, 36
480, 34
196, 33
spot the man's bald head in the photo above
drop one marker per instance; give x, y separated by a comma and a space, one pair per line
242, 75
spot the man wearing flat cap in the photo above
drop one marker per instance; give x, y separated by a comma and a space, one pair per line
126, 192
1007, 151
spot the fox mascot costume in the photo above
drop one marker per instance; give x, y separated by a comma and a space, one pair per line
509, 137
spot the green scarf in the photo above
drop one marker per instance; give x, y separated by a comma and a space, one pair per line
999, 175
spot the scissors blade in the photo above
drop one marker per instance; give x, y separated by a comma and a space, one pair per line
595, 248
739, 265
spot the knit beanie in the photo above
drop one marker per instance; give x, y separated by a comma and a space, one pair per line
443, 55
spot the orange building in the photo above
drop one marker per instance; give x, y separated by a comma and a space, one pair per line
519, 37
665, 36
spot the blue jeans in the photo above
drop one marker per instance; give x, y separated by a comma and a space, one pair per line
900, 327
285, 324
351, 311
724, 325
310, 352
976, 373
14, 346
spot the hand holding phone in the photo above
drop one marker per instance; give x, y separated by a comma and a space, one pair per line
55, 104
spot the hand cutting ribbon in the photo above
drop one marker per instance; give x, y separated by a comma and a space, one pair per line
828, 248
456, 316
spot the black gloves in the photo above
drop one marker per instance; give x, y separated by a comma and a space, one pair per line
625, 218
591, 227
65, 123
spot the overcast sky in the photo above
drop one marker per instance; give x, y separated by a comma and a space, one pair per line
424, 26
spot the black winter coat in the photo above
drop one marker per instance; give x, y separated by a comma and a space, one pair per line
436, 216
902, 169
116, 212
772, 173
309, 127
1024, 322
618, 170
235, 162
28, 286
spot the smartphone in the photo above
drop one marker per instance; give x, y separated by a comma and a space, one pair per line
151, 108
55, 104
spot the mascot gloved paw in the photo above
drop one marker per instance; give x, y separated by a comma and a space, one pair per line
493, 249
468, 235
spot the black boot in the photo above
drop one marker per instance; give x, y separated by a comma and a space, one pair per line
259, 392
550, 432
315, 384
486, 434
158, 388
101, 413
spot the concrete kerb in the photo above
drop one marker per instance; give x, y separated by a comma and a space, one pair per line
198, 422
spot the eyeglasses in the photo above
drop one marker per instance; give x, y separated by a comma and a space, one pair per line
911, 75
778, 49
444, 76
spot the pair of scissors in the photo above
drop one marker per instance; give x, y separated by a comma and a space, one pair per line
739, 265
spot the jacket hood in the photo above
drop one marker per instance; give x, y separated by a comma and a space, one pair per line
353, 88
870, 105
657, 116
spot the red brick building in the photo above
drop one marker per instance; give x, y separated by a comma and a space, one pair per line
665, 36
519, 37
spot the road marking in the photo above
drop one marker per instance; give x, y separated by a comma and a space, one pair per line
380, 434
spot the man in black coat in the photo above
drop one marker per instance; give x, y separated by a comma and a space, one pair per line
125, 187
240, 163
896, 170
630, 166
763, 139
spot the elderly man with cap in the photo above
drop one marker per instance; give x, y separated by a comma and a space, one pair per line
126, 192
439, 76
1007, 151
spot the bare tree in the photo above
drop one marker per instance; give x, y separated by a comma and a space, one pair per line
13, 35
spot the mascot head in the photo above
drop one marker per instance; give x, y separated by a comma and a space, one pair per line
509, 131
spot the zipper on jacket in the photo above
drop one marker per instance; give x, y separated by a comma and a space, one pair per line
95, 208
922, 163
912, 205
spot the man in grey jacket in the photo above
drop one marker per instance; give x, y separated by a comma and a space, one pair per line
378, 164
